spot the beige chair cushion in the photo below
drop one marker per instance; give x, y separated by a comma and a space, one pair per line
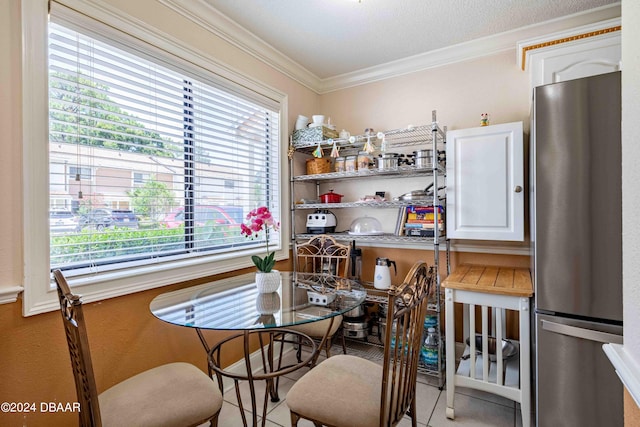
318, 329
176, 394
348, 387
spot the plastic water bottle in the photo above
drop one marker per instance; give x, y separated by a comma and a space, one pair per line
430, 349
394, 326
396, 331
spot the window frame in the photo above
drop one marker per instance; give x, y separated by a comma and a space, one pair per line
39, 293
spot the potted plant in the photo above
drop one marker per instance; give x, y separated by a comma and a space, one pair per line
267, 279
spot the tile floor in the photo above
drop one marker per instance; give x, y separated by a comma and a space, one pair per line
473, 408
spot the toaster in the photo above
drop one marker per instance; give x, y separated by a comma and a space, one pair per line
321, 221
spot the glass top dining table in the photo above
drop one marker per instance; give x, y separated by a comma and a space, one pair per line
235, 304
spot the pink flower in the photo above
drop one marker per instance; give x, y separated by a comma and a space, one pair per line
245, 230
259, 219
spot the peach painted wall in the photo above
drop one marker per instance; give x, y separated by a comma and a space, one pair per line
459, 92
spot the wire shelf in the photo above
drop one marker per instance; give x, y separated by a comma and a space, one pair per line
399, 172
404, 137
380, 238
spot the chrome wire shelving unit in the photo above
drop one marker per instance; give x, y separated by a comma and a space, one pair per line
430, 136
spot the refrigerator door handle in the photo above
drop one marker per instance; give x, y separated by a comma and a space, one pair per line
587, 334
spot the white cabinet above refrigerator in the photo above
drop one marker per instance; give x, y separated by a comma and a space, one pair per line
580, 52
485, 183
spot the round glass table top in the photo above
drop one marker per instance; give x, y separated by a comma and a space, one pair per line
235, 304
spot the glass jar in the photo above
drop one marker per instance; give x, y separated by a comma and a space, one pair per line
339, 165
364, 160
350, 163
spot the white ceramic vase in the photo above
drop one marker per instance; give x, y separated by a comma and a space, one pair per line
268, 282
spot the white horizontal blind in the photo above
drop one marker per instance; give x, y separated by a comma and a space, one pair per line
188, 157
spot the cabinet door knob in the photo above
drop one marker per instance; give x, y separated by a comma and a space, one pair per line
518, 189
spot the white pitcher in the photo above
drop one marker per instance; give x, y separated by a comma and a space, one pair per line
382, 273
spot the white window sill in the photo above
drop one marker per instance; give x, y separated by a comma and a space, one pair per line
626, 368
10, 294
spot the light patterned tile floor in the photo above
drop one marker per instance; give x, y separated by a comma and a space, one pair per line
473, 408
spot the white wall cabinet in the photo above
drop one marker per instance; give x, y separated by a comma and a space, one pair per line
485, 183
581, 52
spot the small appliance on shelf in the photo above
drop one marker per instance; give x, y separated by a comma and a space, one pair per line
321, 221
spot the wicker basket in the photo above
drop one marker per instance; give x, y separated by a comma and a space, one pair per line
315, 165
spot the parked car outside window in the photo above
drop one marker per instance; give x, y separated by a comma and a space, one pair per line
220, 215
104, 218
61, 221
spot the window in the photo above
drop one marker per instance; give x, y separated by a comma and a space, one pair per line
159, 158
79, 173
121, 114
140, 179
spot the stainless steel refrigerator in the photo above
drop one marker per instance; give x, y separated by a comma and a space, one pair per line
576, 233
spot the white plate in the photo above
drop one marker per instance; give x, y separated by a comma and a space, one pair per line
371, 233
315, 125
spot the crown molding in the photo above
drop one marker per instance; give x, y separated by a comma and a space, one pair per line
485, 46
201, 13
436, 58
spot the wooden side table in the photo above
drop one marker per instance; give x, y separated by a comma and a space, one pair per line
498, 289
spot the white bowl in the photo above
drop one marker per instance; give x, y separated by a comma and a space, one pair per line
302, 122
318, 119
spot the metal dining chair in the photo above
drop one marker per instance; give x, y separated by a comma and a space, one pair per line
176, 394
382, 394
323, 254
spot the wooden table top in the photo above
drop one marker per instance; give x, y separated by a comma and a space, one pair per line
512, 281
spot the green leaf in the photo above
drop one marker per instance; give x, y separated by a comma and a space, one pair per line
257, 261
268, 262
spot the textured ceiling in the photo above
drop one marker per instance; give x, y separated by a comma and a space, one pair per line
334, 37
